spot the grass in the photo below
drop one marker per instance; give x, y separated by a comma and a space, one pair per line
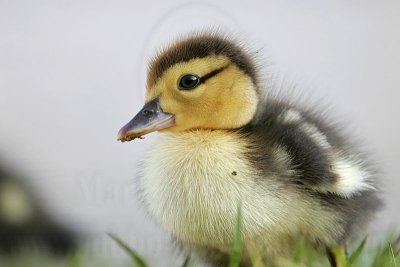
361, 254
237, 244
136, 259
305, 254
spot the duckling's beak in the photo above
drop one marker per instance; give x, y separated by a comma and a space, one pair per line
149, 119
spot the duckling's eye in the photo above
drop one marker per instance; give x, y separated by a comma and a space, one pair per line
189, 82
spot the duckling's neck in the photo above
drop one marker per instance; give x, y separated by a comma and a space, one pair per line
191, 182
204, 150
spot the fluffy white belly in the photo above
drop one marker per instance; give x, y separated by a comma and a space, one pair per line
192, 183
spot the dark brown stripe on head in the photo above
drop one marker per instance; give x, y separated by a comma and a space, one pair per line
211, 74
201, 46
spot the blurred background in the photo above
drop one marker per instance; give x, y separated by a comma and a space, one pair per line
73, 72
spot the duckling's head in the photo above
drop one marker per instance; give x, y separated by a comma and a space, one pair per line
202, 82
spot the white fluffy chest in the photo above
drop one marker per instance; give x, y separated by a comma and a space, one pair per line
192, 183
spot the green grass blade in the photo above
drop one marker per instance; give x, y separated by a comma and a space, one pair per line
356, 254
136, 259
299, 250
186, 262
237, 244
392, 255
387, 255
339, 255
254, 254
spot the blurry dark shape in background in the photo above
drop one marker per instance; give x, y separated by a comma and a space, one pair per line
25, 224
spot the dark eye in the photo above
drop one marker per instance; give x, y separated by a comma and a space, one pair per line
189, 82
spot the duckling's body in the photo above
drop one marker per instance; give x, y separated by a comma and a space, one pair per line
193, 182
292, 174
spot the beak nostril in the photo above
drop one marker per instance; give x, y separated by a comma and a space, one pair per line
147, 112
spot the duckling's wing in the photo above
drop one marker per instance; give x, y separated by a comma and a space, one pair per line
300, 152
301, 149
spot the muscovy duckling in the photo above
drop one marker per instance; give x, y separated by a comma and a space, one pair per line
223, 144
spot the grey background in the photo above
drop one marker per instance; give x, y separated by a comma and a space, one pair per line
73, 72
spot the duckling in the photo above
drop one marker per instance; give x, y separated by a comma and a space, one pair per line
223, 144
